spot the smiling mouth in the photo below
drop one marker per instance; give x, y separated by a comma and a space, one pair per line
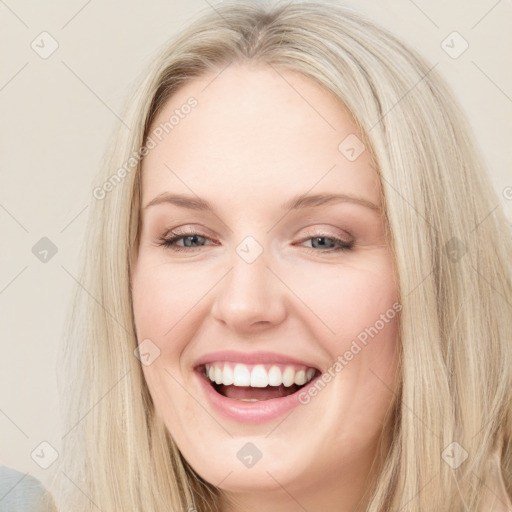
254, 383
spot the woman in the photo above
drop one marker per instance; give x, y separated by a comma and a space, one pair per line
297, 285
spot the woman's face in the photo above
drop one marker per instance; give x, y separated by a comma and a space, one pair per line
280, 272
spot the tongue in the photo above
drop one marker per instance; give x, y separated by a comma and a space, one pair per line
247, 392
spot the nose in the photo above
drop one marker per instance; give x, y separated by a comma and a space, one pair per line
250, 298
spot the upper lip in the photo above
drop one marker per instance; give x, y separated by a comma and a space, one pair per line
250, 358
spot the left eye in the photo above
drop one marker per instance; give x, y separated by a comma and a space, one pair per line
335, 244
327, 243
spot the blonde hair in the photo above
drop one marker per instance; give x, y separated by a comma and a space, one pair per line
451, 246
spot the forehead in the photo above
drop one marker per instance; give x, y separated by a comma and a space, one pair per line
258, 131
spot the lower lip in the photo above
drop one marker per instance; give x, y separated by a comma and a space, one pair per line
250, 412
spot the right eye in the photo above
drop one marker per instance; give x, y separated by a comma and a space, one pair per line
188, 240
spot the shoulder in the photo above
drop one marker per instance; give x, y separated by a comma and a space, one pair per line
20, 492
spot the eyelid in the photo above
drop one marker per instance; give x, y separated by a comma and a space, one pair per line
319, 232
313, 232
341, 243
189, 228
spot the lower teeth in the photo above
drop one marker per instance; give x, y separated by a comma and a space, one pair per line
221, 389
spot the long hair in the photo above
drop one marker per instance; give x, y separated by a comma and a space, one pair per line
452, 428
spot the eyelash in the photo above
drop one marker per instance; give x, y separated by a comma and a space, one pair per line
168, 243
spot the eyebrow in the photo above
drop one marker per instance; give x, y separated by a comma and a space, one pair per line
296, 203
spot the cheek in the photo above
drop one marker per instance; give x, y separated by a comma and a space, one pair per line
166, 307
359, 304
157, 309
349, 298
171, 399
161, 297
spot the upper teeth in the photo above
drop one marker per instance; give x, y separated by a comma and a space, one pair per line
258, 375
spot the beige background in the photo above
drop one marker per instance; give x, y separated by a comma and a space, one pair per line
57, 114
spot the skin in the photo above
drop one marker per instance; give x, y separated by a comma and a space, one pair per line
253, 134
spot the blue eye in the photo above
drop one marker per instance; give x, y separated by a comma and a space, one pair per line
324, 243
336, 243
188, 240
